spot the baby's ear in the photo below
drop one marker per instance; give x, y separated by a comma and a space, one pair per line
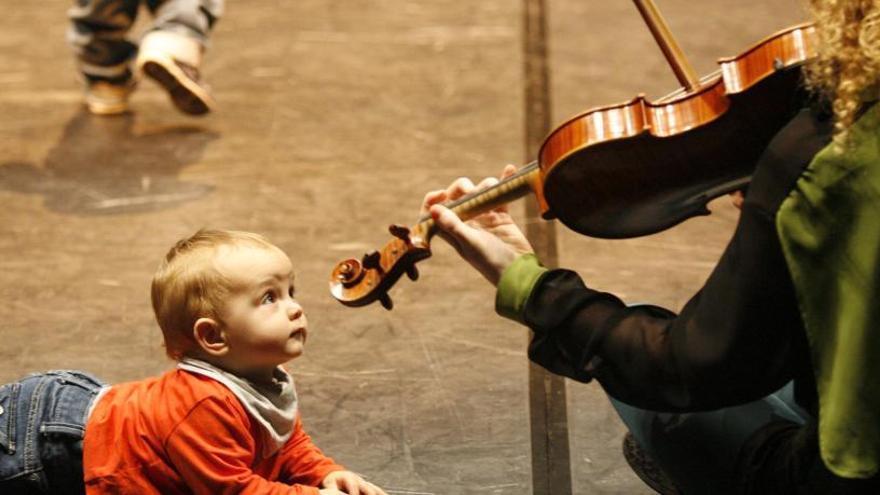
210, 337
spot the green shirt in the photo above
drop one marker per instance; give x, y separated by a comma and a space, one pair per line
829, 228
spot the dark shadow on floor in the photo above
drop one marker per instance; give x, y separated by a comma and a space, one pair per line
102, 165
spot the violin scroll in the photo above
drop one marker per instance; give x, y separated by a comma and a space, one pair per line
359, 282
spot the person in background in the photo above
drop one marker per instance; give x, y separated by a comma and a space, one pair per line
170, 52
768, 379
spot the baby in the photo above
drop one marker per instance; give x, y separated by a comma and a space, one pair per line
225, 420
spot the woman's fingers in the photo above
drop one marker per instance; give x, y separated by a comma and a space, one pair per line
486, 183
459, 188
737, 198
448, 221
432, 198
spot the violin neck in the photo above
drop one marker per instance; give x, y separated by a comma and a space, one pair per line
471, 205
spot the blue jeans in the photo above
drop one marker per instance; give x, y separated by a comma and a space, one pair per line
98, 30
699, 451
42, 423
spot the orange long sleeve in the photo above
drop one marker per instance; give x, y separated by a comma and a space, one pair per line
184, 433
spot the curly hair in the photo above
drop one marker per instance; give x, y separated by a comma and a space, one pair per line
846, 70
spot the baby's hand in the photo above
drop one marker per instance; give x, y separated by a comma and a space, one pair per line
340, 482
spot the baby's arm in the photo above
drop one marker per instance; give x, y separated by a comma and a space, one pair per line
214, 452
305, 463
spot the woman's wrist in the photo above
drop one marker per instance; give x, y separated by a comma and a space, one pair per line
516, 284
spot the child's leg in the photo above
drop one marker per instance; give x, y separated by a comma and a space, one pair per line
191, 18
171, 52
699, 451
42, 423
97, 35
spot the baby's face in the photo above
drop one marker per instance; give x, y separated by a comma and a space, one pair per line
264, 325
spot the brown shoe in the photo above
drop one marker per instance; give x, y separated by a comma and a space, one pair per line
172, 60
645, 468
108, 98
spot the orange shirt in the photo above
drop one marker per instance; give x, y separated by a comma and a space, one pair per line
183, 433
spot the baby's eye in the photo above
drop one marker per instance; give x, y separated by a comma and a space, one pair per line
291, 292
268, 298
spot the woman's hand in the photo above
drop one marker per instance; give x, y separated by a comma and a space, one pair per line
737, 198
490, 241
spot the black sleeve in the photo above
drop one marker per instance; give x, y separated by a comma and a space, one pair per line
734, 341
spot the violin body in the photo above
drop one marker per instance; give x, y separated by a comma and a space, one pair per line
639, 167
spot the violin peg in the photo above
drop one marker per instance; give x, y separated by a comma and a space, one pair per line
400, 231
412, 272
372, 260
386, 301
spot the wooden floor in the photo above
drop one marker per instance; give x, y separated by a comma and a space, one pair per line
334, 119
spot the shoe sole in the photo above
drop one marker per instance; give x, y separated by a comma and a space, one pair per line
186, 94
100, 108
645, 469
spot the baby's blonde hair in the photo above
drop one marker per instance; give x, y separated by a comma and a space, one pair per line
187, 285
847, 68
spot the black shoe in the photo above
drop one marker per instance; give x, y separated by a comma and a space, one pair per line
646, 469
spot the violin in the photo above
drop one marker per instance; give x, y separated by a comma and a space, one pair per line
630, 169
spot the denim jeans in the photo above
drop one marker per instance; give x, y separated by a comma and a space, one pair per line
98, 30
42, 424
699, 451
